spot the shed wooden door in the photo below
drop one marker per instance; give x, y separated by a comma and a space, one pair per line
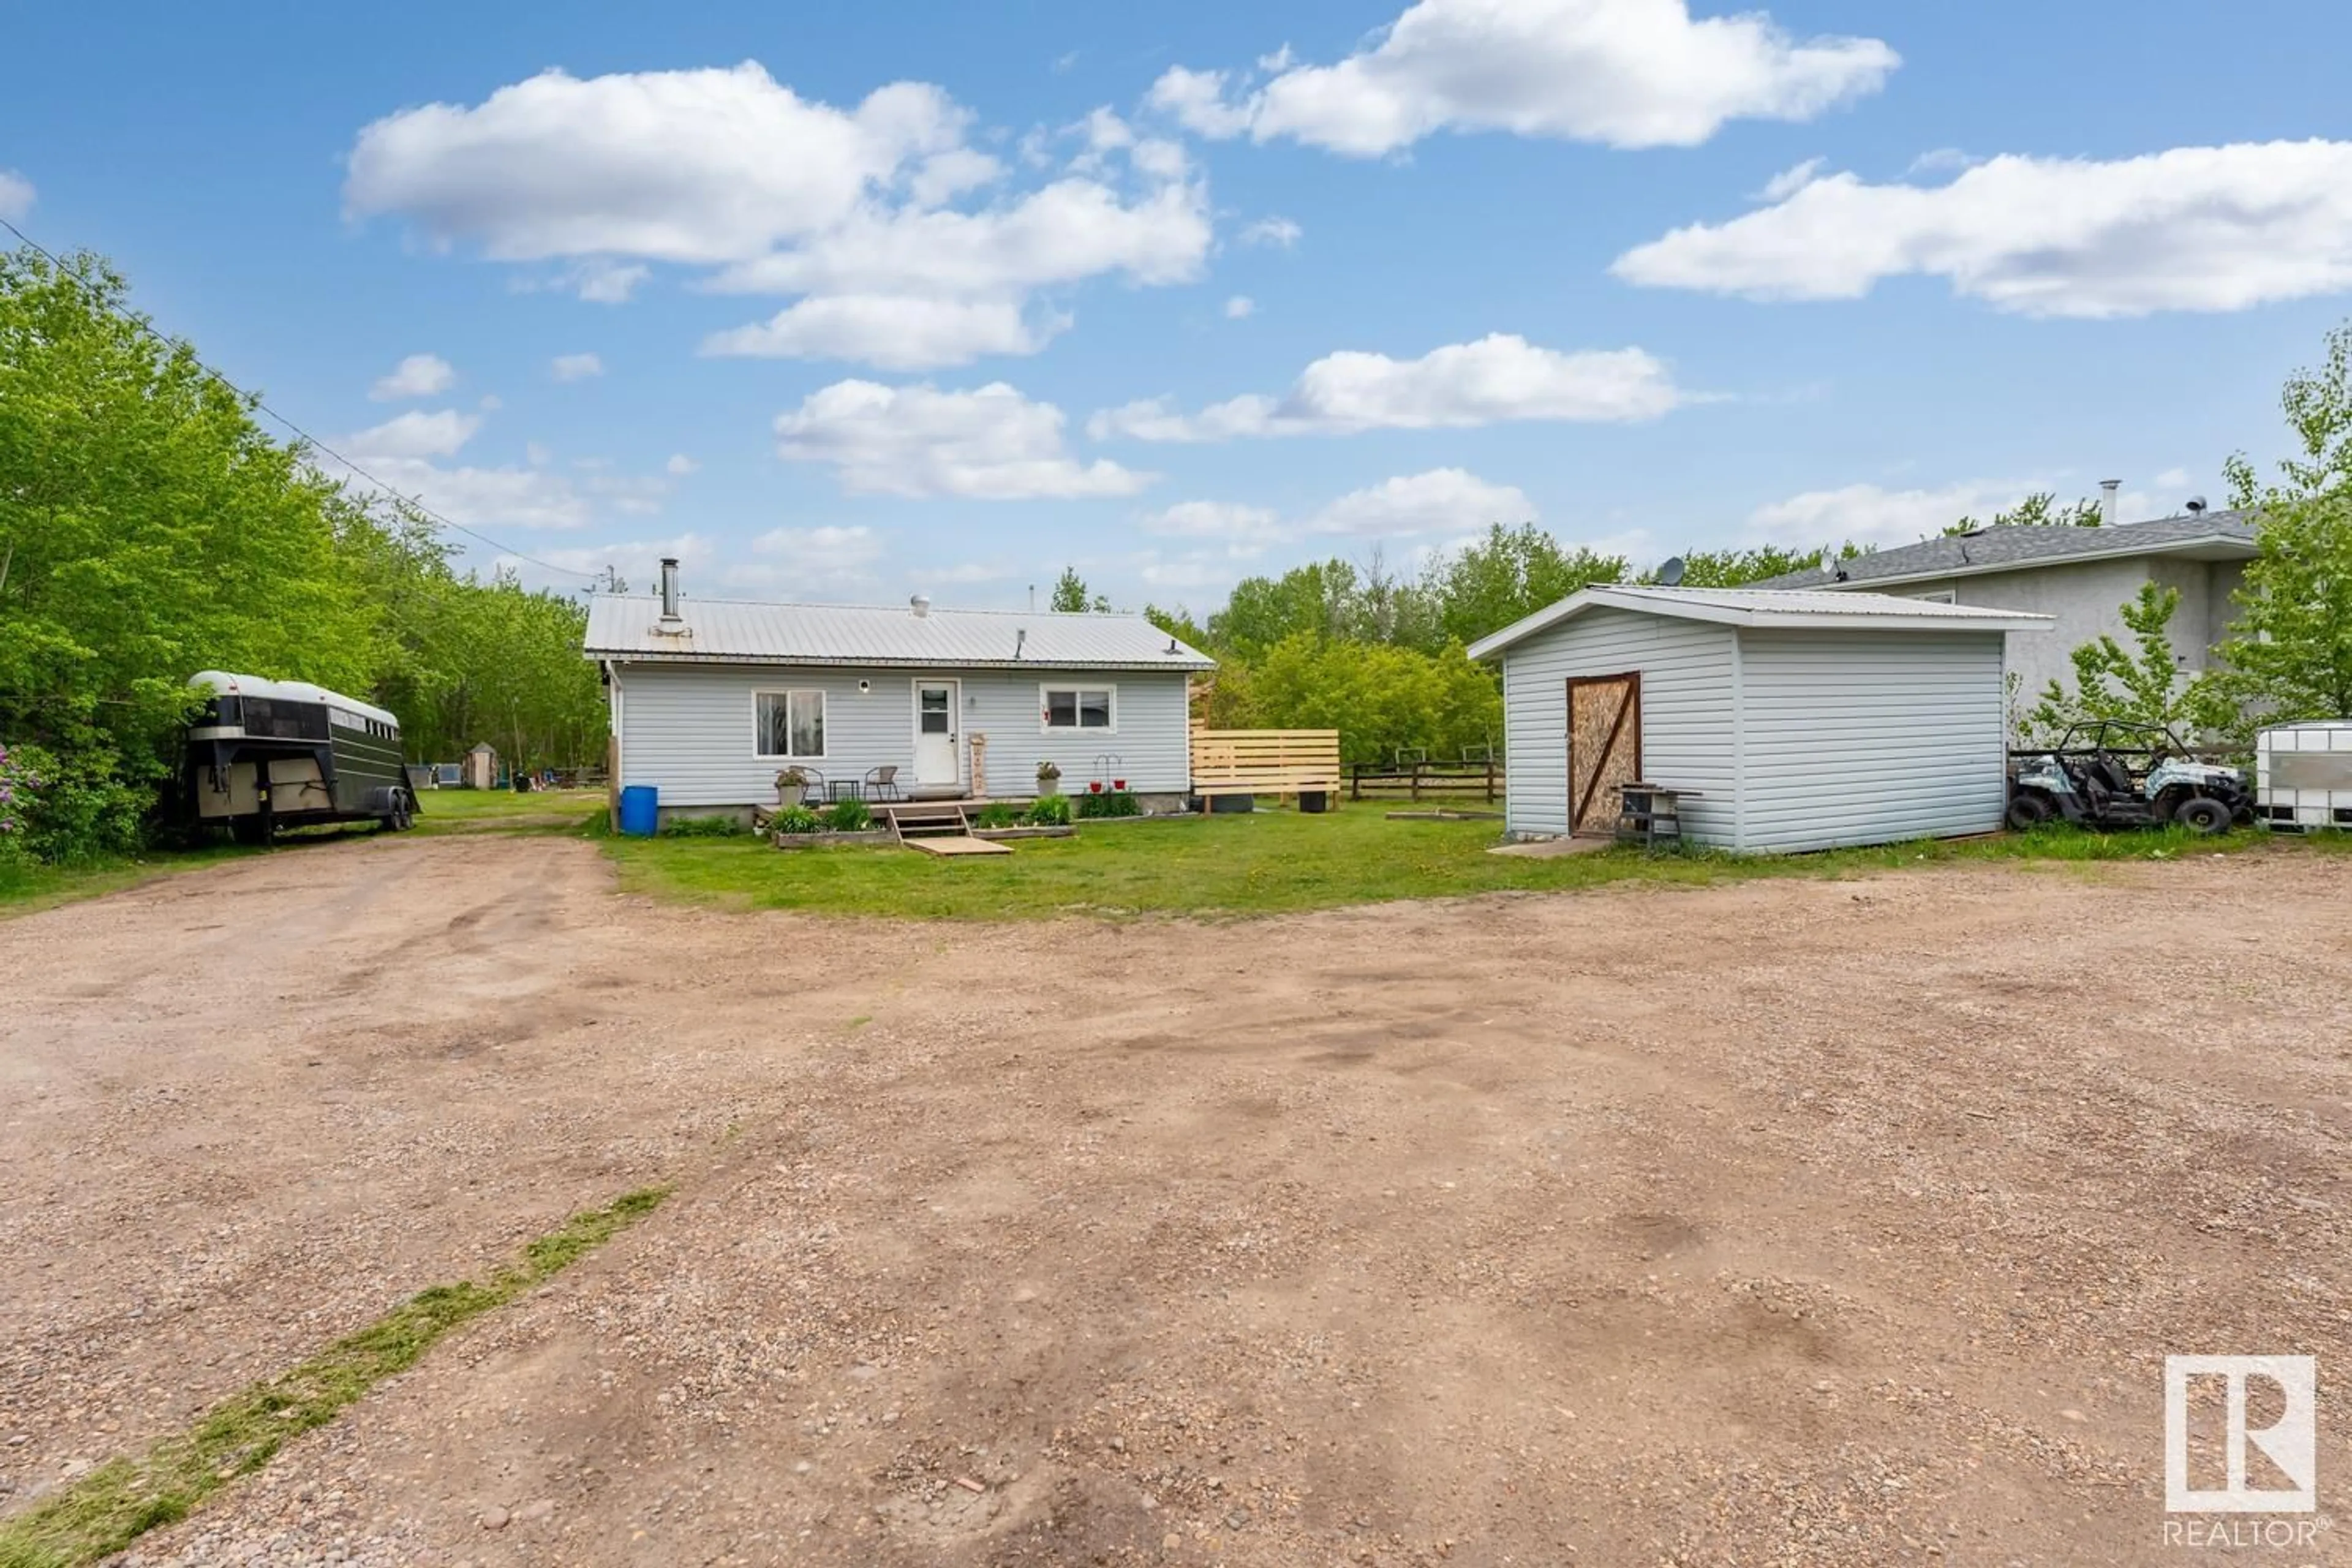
1605, 747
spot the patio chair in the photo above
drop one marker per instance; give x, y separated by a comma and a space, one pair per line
882, 783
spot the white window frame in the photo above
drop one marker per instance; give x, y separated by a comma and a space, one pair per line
1044, 687
1939, 596
760, 731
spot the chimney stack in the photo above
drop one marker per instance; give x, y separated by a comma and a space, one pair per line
669, 590
2108, 488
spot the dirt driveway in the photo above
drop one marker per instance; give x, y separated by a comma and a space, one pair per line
1787, 1223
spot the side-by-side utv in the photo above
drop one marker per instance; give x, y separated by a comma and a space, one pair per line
2116, 774
267, 754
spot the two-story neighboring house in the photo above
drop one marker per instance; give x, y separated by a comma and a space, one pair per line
2081, 577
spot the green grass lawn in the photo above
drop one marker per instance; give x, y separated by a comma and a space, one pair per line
1262, 863
25, 886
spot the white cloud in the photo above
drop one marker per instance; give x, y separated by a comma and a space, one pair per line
1278, 232
1497, 378
1442, 500
1239, 306
992, 444
2196, 228
574, 367
689, 166
2172, 479
1186, 571
418, 376
537, 455
16, 195
1627, 73
1789, 182
638, 560
680, 465
1871, 514
809, 562
965, 572
895, 331
1244, 530
1943, 160
415, 434
604, 282
848, 210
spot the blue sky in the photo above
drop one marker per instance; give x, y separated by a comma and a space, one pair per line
1179, 294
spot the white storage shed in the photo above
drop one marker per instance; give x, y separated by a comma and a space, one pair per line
1789, 720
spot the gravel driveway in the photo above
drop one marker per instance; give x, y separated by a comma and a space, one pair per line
1792, 1221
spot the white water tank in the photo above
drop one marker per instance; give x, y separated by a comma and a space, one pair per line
2303, 776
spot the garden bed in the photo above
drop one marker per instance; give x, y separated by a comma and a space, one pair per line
1003, 832
829, 839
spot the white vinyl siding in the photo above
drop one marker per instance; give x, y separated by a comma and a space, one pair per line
1869, 737
687, 729
1687, 714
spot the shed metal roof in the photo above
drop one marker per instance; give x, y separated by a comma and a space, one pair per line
1767, 607
2211, 536
734, 631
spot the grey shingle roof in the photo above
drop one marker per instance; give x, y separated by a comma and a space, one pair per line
737, 631
2008, 549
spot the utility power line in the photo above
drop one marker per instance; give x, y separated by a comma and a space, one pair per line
312, 441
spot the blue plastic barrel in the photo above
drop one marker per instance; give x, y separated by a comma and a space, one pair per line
640, 810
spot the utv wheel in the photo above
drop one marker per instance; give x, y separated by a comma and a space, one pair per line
2202, 814
2029, 809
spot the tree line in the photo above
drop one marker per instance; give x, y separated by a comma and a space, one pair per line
150, 528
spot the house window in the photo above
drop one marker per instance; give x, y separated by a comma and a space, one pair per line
789, 723
1941, 596
1079, 707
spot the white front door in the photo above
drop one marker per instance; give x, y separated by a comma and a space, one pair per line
937, 704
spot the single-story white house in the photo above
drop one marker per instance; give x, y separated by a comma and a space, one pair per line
1791, 720
711, 699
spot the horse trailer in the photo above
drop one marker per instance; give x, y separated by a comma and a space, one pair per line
267, 754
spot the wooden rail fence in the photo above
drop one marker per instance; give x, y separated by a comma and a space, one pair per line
1426, 781
1266, 762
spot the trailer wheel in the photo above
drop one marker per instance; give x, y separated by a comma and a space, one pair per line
2029, 808
2203, 815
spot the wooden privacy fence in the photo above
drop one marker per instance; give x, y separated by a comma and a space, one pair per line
1420, 781
1265, 762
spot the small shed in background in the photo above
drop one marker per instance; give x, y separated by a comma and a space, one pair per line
482, 767
1791, 720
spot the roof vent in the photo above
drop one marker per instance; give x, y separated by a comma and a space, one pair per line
2197, 506
920, 603
2108, 488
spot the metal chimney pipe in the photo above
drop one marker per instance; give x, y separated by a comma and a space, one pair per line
669, 588
2108, 488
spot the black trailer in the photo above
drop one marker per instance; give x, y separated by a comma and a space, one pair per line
267, 754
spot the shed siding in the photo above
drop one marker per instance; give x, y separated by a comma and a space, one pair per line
1687, 714
1859, 737
687, 729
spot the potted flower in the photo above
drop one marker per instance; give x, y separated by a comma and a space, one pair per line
1049, 778
791, 786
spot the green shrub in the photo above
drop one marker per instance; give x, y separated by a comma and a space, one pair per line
1049, 811
797, 819
1110, 803
996, 814
848, 817
702, 828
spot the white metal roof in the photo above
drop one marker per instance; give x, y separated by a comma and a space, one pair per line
227, 685
734, 631
1824, 610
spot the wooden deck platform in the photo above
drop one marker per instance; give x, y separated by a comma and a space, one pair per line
947, 846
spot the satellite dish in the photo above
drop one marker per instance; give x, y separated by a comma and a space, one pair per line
1670, 573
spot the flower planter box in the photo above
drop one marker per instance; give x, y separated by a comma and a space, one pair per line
869, 838
998, 833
